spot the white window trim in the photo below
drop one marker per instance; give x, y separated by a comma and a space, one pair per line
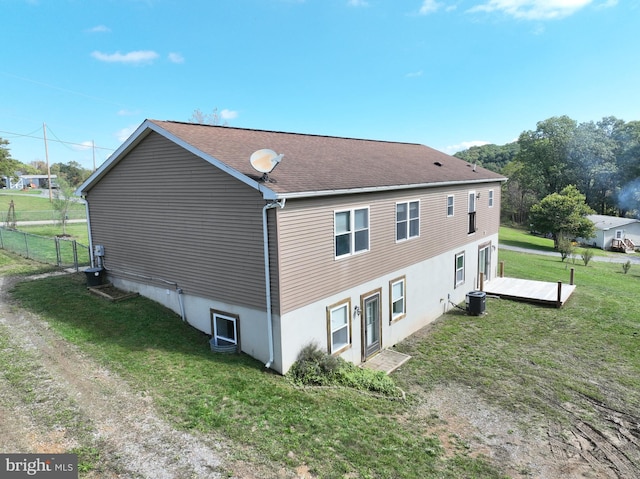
408, 220
490, 198
401, 315
453, 202
471, 211
352, 231
330, 331
214, 332
456, 269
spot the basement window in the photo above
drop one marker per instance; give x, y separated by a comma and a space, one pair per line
397, 294
224, 328
339, 327
459, 265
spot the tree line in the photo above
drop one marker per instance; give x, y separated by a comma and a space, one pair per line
601, 159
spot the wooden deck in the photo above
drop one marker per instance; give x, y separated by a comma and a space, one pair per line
527, 290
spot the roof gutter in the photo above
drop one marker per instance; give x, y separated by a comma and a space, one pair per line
267, 274
377, 189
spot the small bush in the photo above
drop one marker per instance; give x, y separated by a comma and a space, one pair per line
314, 367
626, 266
565, 247
586, 256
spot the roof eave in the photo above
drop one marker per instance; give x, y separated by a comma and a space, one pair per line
377, 189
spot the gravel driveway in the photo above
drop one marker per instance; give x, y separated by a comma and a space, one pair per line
55, 399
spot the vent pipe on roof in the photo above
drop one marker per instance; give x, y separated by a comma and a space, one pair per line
267, 275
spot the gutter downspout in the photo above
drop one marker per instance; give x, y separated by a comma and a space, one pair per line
267, 274
86, 207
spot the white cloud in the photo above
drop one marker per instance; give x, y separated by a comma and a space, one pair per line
125, 133
358, 3
84, 146
99, 29
608, 4
176, 58
228, 114
132, 58
414, 74
465, 145
125, 112
532, 9
429, 6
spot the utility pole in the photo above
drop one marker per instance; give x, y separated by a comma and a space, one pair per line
46, 154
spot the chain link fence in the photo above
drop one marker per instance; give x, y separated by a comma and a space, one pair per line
46, 215
61, 252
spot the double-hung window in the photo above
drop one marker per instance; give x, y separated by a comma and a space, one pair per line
398, 298
407, 220
338, 324
490, 198
351, 231
459, 269
449, 205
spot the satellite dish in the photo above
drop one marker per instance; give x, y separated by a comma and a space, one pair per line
265, 160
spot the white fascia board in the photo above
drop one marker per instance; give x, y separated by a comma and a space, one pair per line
267, 193
378, 189
142, 131
133, 140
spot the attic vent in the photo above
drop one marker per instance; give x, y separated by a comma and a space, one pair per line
437, 163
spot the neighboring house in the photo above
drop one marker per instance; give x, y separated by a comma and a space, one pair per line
28, 181
367, 241
611, 230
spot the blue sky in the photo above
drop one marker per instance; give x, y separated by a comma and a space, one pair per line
448, 74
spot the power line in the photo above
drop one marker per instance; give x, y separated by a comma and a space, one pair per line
16, 135
31, 135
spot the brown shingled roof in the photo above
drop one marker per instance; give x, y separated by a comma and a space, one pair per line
315, 163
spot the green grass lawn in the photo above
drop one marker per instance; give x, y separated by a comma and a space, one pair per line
76, 231
334, 431
533, 358
522, 238
31, 206
524, 358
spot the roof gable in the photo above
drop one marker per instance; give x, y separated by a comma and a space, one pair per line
312, 165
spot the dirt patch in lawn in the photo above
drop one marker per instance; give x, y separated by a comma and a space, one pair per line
590, 439
523, 447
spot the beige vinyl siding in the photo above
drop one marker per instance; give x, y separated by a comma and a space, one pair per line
164, 213
309, 270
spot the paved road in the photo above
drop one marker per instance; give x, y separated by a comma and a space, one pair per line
618, 258
46, 222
